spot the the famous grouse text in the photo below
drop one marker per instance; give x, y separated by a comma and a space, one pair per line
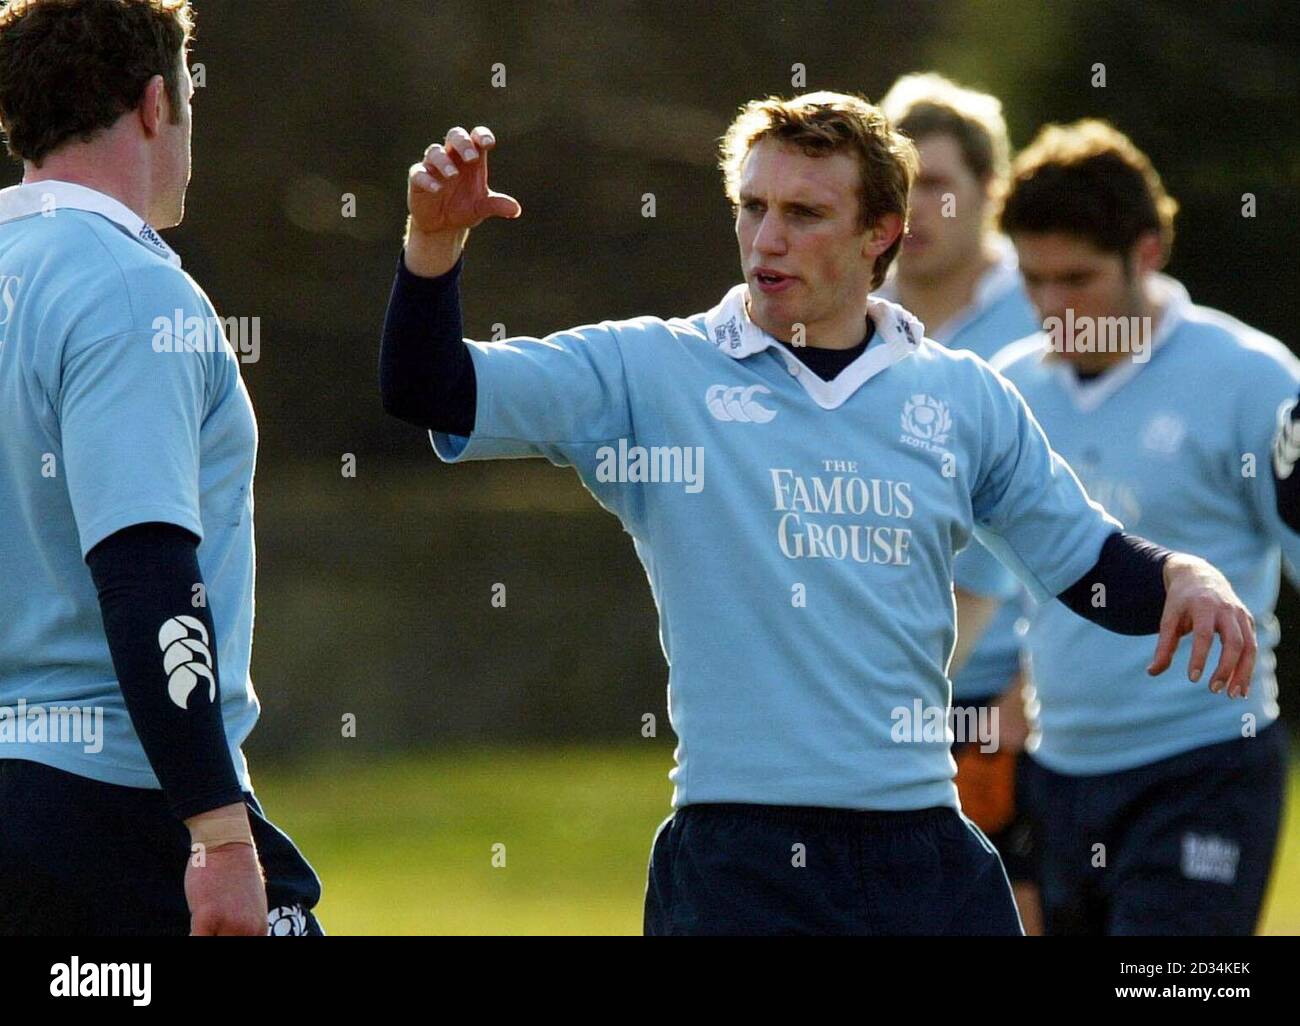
838, 514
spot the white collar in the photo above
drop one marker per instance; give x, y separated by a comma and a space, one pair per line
25, 200
898, 334
993, 284
1175, 304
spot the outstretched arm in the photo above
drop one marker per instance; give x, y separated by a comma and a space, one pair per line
1043, 526
1137, 587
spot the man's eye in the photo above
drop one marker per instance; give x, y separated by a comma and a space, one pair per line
751, 206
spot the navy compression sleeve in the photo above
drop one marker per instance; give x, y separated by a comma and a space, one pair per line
1130, 571
164, 651
426, 375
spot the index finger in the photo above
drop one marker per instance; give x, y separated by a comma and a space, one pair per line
484, 140
1168, 641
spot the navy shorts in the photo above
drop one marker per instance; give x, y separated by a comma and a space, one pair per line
987, 783
778, 870
1182, 846
79, 857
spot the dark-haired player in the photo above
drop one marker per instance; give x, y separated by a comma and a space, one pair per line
1158, 809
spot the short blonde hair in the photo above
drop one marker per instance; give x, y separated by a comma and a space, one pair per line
926, 103
823, 123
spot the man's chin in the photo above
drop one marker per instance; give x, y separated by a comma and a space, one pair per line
771, 314
172, 219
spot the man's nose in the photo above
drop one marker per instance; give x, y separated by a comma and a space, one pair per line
1052, 301
770, 237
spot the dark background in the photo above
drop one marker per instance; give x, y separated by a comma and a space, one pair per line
374, 592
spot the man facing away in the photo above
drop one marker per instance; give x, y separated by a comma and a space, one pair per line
127, 446
804, 581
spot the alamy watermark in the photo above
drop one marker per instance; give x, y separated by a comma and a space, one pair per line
57, 724
657, 464
957, 724
183, 333
1085, 334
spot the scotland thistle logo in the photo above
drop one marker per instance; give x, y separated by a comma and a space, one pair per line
287, 921
927, 419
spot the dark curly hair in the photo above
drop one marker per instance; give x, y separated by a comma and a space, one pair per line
70, 68
1088, 179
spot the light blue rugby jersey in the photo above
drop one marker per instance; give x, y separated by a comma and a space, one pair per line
804, 582
999, 314
1177, 449
102, 427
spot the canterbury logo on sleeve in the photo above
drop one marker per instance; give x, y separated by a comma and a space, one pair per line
1286, 447
186, 658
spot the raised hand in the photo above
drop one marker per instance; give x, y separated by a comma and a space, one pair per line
448, 194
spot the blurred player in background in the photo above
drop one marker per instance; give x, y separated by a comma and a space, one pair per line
127, 444
805, 582
960, 277
1157, 810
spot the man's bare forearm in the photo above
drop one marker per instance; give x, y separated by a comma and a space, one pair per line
433, 255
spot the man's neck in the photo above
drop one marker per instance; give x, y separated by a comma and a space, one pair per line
846, 333
81, 167
937, 300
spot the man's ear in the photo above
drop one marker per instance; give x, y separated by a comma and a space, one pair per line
886, 230
155, 106
1148, 253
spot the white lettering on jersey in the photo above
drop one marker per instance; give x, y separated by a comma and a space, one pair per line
804, 532
1210, 858
9, 284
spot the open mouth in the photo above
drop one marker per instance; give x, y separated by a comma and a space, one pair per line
770, 281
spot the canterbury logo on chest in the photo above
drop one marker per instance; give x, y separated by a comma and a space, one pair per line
738, 403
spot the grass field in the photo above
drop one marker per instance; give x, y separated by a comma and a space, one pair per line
406, 845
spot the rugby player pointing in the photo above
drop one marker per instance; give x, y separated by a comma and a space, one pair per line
806, 591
